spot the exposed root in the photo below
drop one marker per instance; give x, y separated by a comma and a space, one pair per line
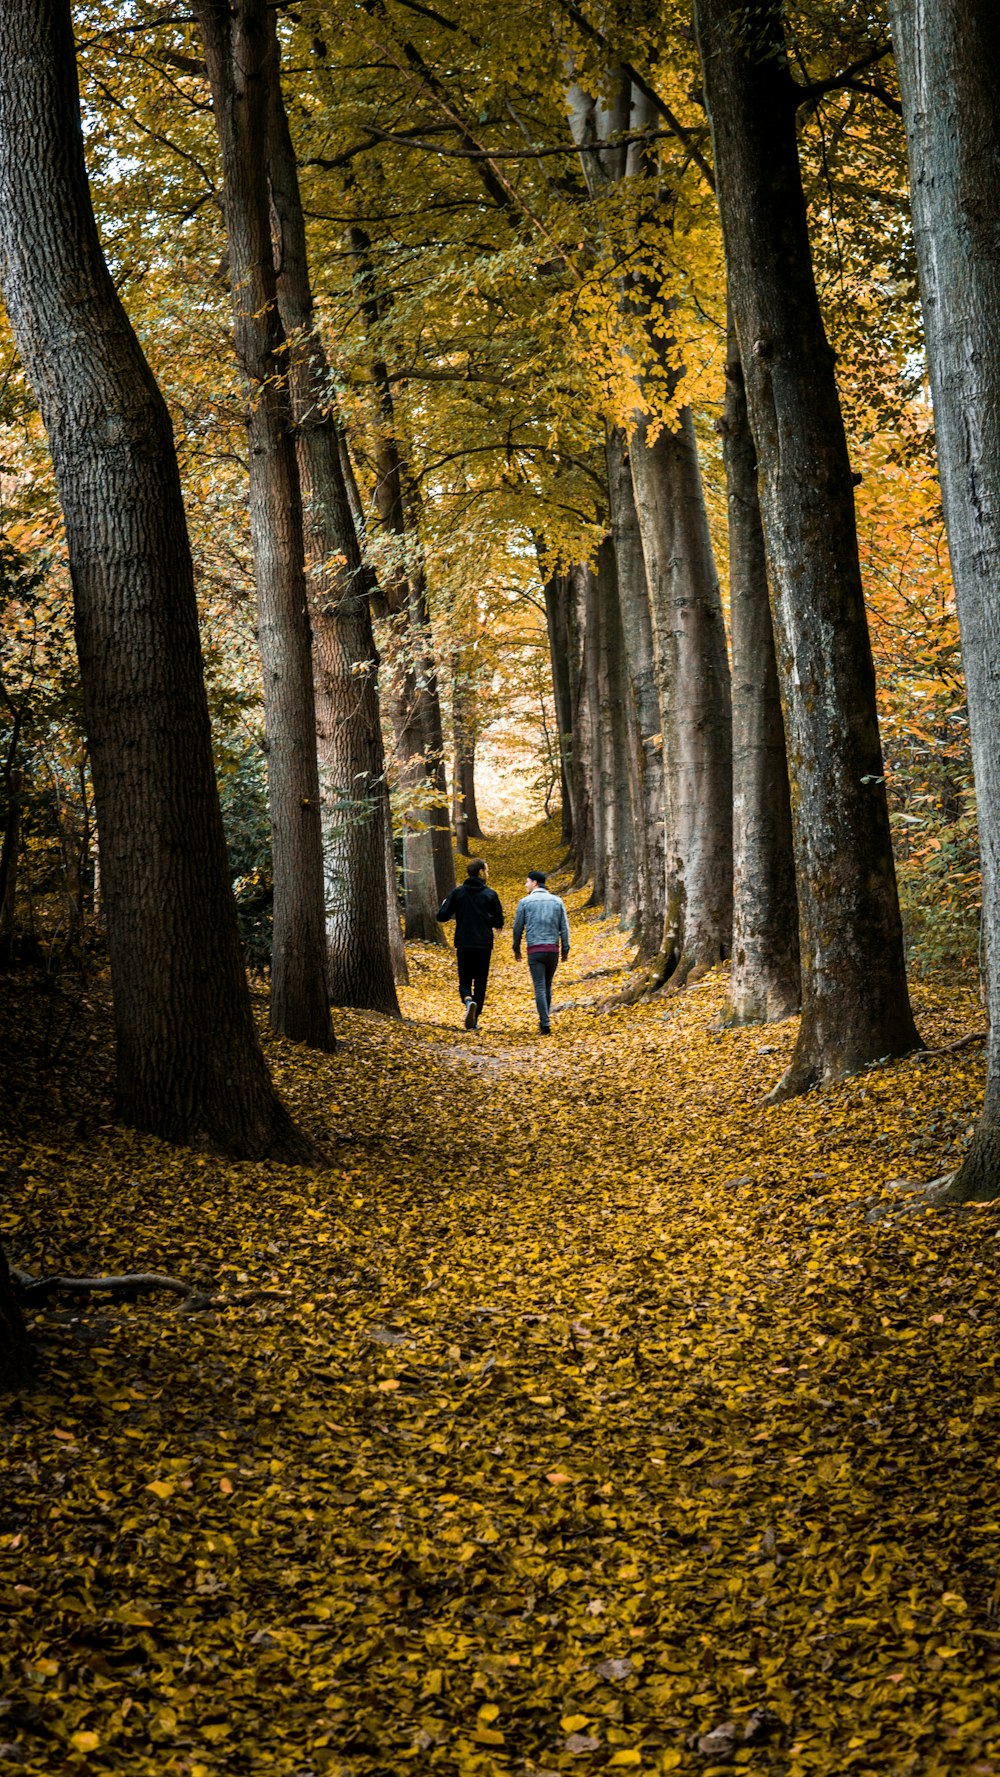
35, 1291
976, 1036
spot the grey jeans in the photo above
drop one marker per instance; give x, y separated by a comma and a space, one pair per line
542, 969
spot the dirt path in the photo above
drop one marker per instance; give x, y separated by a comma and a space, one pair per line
577, 1419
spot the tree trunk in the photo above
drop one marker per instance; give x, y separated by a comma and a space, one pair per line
9, 851
237, 54
417, 729
688, 632
15, 1349
948, 56
581, 725
765, 982
189, 1064
557, 596
433, 729
397, 945
693, 672
637, 641
855, 1008
348, 726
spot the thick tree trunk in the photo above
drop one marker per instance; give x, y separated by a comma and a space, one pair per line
765, 982
557, 597
237, 55
465, 816
189, 1064
348, 726
637, 641
948, 56
15, 1349
855, 1008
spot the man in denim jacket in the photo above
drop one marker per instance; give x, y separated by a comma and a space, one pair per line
541, 919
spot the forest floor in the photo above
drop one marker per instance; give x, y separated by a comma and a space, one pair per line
587, 1414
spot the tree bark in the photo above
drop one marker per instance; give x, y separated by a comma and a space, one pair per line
948, 57
189, 1064
581, 724
643, 694
348, 726
557, 597
237, 55
855, 1008
413, 678
765, 982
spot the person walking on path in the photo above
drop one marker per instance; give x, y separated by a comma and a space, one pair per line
477, 913
541, 919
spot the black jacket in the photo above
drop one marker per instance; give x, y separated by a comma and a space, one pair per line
477, 913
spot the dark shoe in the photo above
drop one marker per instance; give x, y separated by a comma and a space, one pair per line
544, 1031
471, 1015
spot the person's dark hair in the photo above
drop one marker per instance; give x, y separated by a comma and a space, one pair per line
537, 876
475, 867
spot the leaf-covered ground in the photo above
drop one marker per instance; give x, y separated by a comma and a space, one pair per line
586, 1415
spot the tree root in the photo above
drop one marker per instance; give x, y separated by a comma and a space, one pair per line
34, 1291
976, 1036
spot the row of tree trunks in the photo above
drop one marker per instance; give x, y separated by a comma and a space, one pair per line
673, 626
355, 798
190, 1068
237, 53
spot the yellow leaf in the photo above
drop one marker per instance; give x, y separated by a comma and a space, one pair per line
573, 1724
162, 1489
627, 1756
85, 1740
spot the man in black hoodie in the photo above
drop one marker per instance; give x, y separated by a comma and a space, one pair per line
477, 913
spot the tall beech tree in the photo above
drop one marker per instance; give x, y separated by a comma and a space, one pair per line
353, 782
687, 628
855, 1008
189, 1064
765, 981
237, 47
948, 57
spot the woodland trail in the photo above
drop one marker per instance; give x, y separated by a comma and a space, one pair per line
578, 1419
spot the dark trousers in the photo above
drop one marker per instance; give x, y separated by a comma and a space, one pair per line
542, 969
473, 974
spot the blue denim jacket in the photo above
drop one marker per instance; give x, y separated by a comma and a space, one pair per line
541, 918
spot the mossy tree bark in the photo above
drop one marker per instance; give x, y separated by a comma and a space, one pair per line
948, 56
237, 54
855, 1008
190, 1068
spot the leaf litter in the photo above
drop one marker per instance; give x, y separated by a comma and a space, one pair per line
578, 1418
